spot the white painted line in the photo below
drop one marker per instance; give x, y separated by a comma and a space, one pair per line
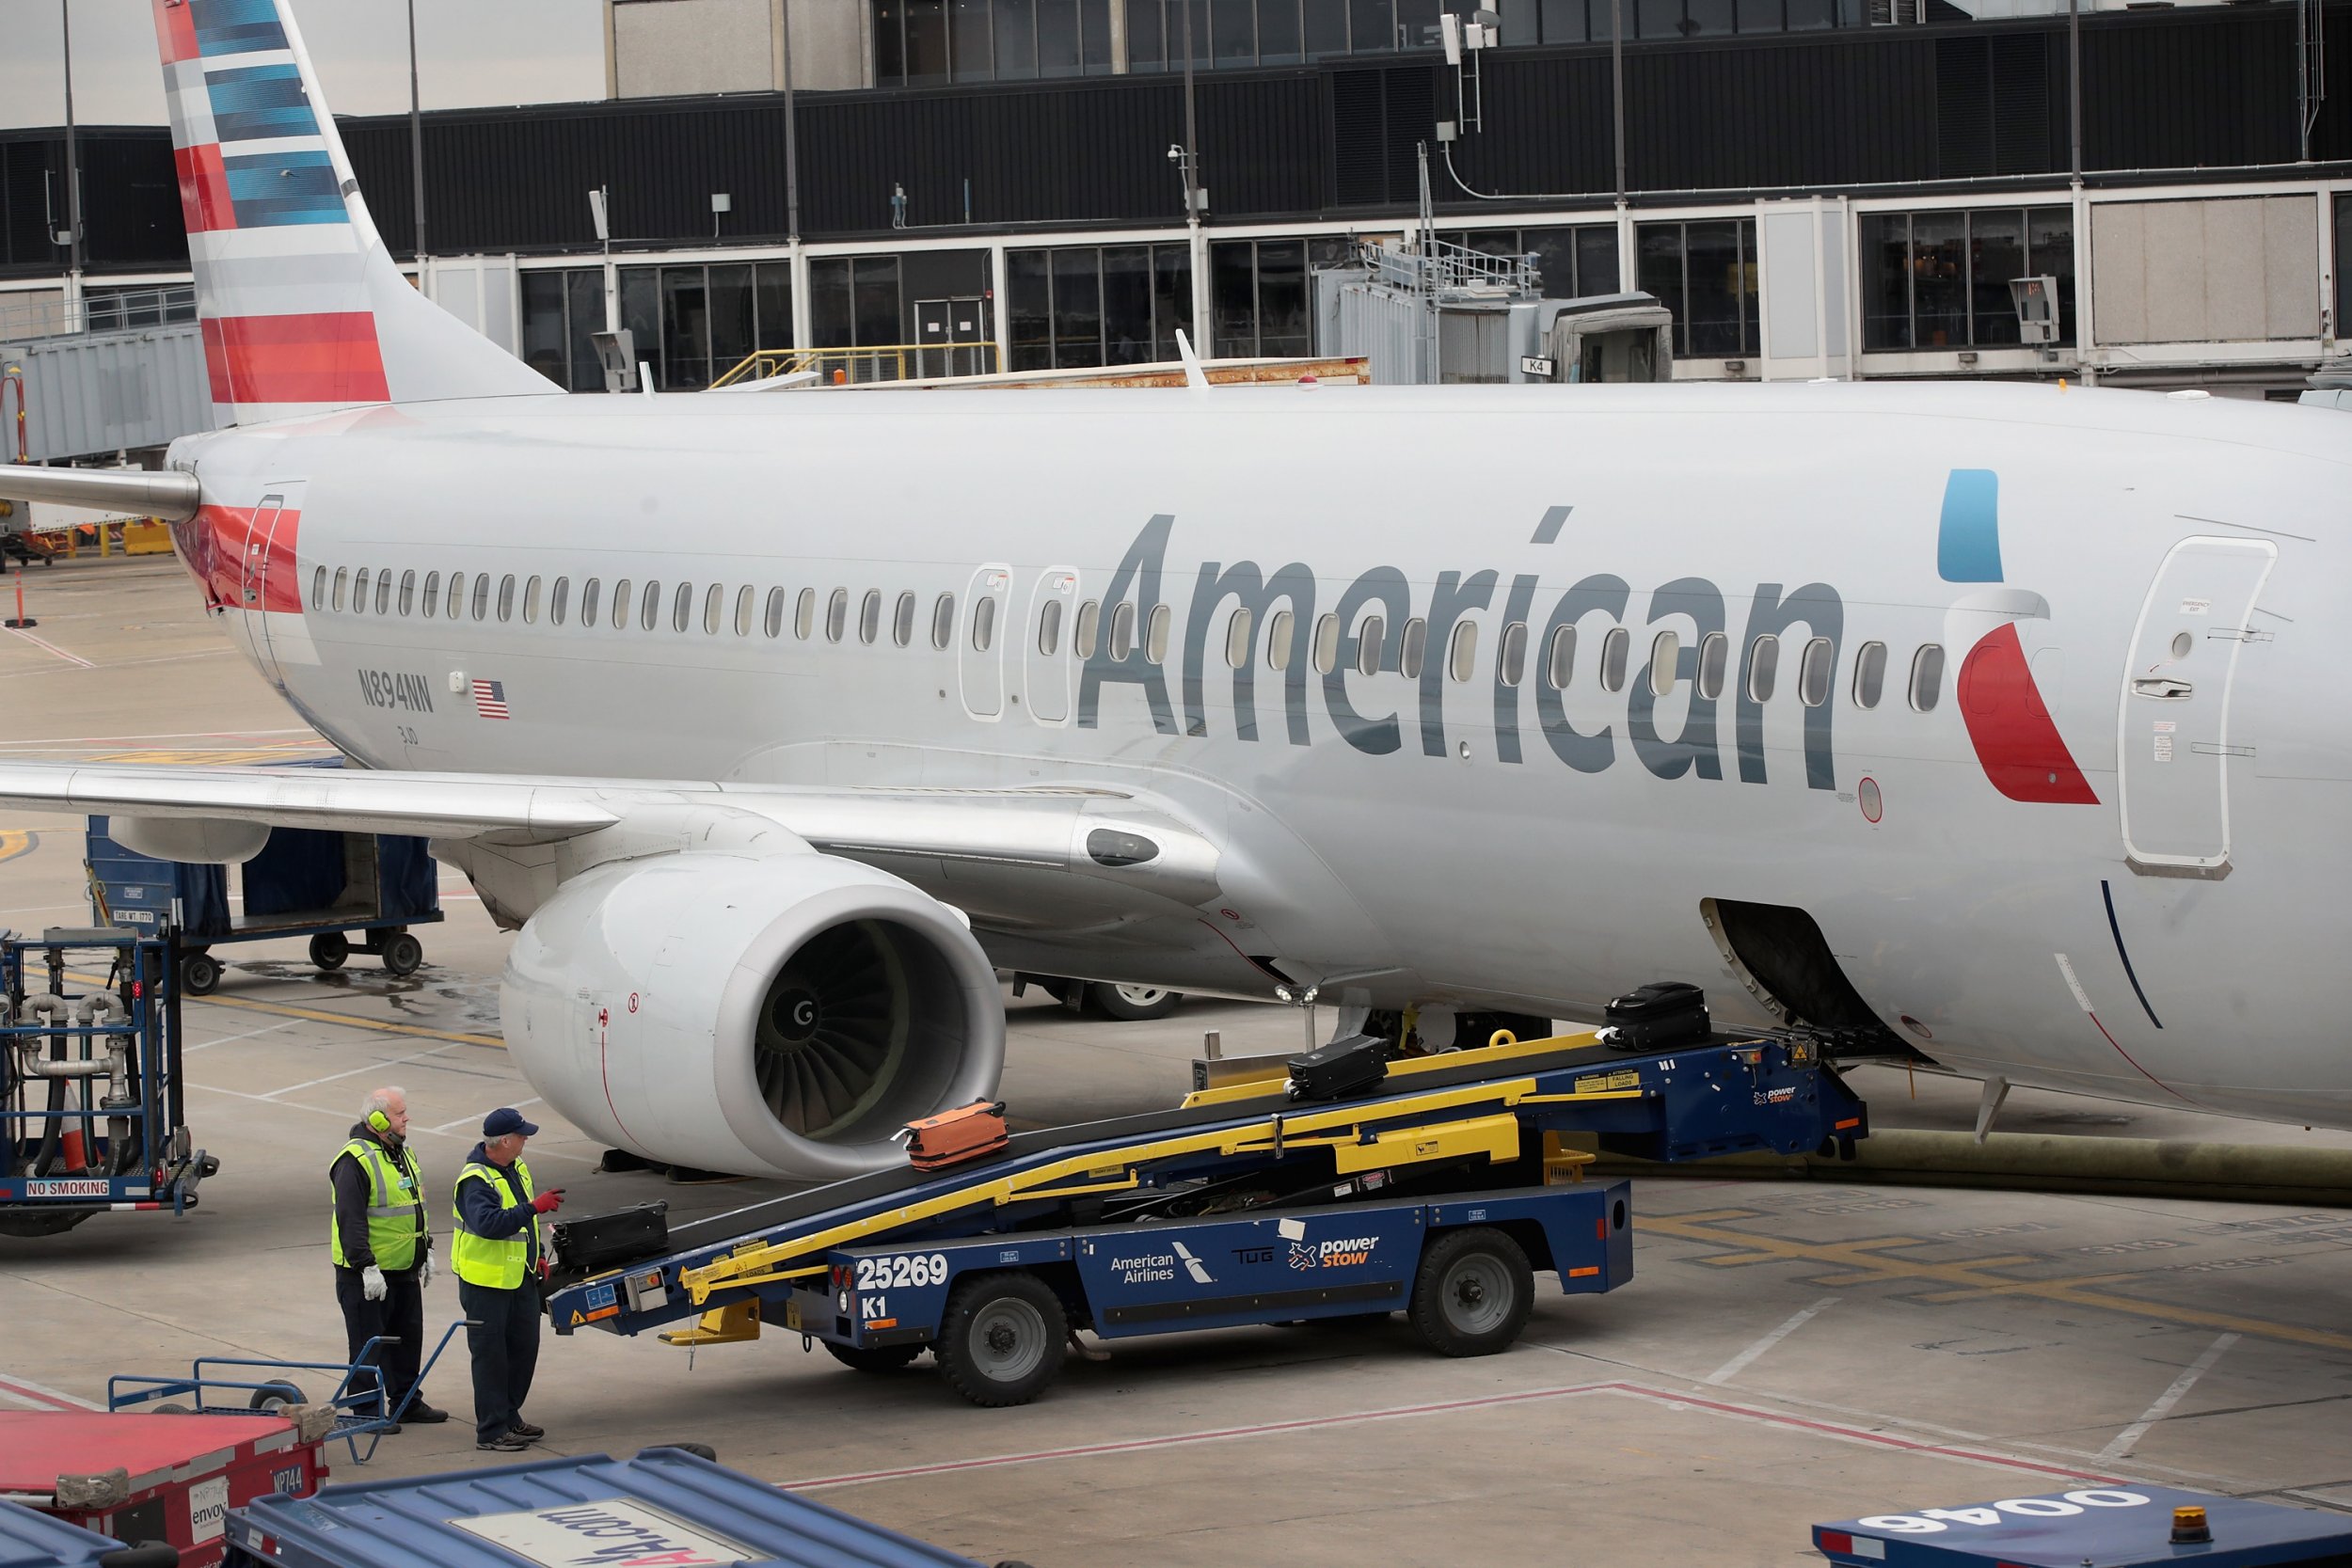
246, 1036
50, 647
345, 1117
461, 1122
41, 1396
1741, 1362
354, 1073
172, 734
2170, 1397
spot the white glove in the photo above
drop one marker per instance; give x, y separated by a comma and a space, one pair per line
372, 1283
424, 1271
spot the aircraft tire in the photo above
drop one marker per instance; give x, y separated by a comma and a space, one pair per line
1133, 1004
1472, 1292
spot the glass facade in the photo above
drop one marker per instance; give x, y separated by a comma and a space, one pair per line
927, 42
692, 322
1705, 272
1940, 279
1573, 262
1080, 306
1258, 304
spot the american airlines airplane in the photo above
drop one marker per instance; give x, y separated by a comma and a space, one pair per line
2001, 726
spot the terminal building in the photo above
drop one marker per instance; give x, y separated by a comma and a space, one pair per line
923, 187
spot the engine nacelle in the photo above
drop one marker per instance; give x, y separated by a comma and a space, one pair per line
773, 1015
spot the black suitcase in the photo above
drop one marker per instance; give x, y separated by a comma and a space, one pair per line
1657, 1017
595, 1241
1345, 1066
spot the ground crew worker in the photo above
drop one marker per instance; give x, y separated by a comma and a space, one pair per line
383, 1252
499, 1262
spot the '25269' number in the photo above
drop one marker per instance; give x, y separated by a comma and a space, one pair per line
907, 1270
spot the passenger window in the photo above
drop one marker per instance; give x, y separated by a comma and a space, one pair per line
507, 597
1714, 654
1560, 659
1763, 669
1615, 649
1122, 639
1464, 664
1870, 675
482, 595
318, 588
1155, 635
903, 621
1511, 658
1327, 648
431, 605
804, 614
1665, 655
622, 604
649, 606
1815, 670
343, 581
944, 621
983, 622
384, 592
1237, 630
744, 611
773, 621
359, 592
1367, 640
588, 600
1049, 629
1927, 677
714, 609
1090, 623
530, 602
869, 617
1411, 648
838, 615
682, 607
408, 592
559, 599
1278, 640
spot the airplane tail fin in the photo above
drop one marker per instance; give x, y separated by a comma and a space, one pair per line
303, 309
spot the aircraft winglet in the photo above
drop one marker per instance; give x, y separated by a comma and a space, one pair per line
1194, 377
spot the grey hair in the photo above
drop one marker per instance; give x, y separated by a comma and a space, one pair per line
381, 1099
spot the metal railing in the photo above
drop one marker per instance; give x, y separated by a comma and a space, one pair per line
1437, 266
865, 363
111, 311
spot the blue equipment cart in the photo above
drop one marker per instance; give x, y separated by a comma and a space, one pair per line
92, 1117
2094, 1527
1437, 1191
31, 1539
665, 1506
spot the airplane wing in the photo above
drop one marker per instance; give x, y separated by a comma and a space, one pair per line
157, 494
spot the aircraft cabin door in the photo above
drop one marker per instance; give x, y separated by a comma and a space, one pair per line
980, 642
270, 578
2173, 745
1054, 624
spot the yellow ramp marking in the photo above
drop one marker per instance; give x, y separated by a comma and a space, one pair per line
1970, 1277
224, 757
319, 1015
16, 841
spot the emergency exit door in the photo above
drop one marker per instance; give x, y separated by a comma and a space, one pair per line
980, 642
2174, 744
269, 575
954, 336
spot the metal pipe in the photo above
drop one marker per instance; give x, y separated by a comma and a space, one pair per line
72, 161
1616, 87
416, 141
791, 142
2075, 81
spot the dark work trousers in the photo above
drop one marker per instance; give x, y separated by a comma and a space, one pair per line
399, 1317
502, 1335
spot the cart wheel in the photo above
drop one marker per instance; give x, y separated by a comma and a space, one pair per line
276, 1396
1134, 1003
873, 1358
403, 954
1001, 1342
328, 949
200, 972
1472, 1294
171, 1410
147, 1553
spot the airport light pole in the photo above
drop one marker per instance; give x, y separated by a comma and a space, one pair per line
416, 143
72, 170
1196, 241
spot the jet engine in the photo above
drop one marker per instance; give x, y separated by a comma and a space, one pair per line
772, 1015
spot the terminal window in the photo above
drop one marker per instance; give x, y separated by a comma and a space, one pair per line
1940, 279
1082, 306
1706, 273
1573, 262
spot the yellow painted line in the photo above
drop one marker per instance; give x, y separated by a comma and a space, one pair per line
2076, 1282
16, 841
1968, 1278
316, 1015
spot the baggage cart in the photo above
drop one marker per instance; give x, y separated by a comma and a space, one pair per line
2117, 1525
31, 1539
665, 1506
157, 1478
92, 1116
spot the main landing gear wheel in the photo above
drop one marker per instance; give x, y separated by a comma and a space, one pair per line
402, 955
198, 973
1133, 1004
873, 1358
328, 949
1002, 1341
1472, 1294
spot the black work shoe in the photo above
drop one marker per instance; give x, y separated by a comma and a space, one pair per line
524, 1428
390, 1428
508, 1442
422, 1414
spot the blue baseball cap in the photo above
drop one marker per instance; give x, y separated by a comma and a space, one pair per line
506, 1119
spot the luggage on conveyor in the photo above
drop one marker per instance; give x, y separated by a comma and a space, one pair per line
1656, 1017
954, 1136
1345, 1066
595, 1241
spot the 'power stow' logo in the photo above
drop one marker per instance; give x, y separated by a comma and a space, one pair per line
1334, 1254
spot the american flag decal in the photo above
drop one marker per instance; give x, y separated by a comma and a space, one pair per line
489, 698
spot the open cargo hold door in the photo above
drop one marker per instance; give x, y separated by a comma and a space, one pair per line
1780, 955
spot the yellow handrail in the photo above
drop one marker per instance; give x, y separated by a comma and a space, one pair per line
862, 363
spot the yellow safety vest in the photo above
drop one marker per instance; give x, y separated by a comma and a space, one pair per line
395, 1205
497, 1262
